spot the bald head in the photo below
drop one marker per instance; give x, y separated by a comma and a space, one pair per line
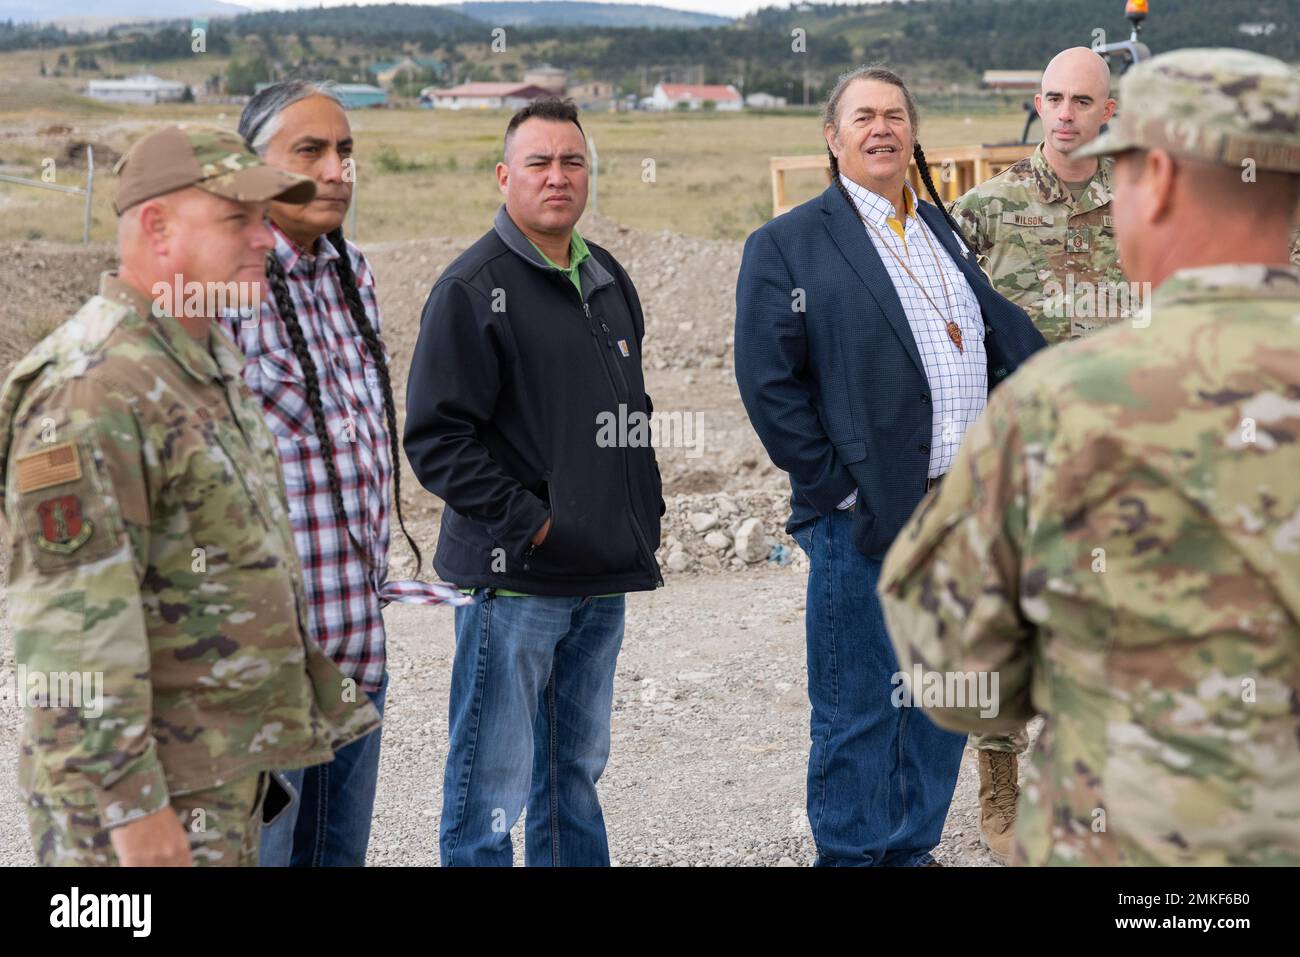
1078, 68
1074, 101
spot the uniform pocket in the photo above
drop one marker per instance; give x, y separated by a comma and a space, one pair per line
238, 464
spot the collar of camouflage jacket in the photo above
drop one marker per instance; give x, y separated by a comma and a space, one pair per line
1054, 190
183, 347
1229, 281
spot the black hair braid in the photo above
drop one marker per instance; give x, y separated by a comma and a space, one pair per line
923, 168
311, 386
839, 183
352, 296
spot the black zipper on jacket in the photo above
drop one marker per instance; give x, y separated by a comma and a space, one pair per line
627, 473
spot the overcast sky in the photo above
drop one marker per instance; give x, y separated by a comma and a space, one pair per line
725, 8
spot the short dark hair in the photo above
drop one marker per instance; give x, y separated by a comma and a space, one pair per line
544, 108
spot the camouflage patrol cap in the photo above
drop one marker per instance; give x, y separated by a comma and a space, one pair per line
1221, 106
210, 158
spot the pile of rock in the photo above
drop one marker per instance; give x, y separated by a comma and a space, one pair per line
687, 288
726, 532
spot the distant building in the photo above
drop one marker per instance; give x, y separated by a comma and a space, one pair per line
1013, 79
141, 88
483, 96
596, 95
549, 78
764, 101
385, 71
667, 96
355, 96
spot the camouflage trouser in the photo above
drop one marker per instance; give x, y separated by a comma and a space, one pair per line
224, 825
1016, 742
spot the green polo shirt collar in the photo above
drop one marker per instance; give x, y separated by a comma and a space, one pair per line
578, 252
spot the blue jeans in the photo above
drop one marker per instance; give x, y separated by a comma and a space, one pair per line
880, 778
532, 686
330, 824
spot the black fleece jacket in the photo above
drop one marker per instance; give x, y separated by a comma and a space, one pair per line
523, 403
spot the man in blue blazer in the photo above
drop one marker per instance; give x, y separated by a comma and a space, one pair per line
866, 344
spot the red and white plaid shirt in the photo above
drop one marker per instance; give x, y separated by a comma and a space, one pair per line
346, 598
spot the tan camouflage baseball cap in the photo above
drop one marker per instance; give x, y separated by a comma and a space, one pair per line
208, 157
1220, 105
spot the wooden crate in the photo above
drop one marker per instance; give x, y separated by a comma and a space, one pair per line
955, 170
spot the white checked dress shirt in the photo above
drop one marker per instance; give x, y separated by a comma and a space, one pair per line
958, 380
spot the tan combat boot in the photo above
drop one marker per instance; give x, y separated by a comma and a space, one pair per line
999, 789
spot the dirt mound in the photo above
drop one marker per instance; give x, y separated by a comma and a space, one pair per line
712, 462
43, 283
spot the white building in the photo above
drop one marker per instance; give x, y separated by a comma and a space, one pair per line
667, 96
1013, 79
141, 88
483, 96
764, 101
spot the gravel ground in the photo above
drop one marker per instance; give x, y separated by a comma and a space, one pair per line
710, 719
710, 734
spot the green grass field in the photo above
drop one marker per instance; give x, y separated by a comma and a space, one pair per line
427, 172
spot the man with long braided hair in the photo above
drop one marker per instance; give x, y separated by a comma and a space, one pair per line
150, 541
866, 343
317, 362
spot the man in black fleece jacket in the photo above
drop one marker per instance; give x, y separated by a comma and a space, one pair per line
527, 415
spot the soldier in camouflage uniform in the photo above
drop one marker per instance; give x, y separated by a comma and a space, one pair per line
151, 546
1044, 233
1044, 225
1119, 539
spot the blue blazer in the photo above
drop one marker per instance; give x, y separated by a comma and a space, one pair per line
837, 392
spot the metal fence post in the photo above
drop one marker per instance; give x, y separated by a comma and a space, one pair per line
74, 190
595, 177
90, 192
352, 209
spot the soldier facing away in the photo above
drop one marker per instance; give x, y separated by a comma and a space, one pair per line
1044, 233
151, 548
1119, 539
1044, 228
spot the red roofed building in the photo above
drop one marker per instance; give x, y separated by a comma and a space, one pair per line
483, 96
668, 96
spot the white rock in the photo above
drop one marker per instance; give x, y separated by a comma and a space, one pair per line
718, 541
751, 541
678, 561
703, 521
